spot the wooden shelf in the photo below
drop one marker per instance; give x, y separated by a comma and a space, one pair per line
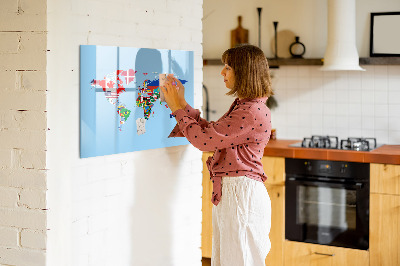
380, 61
274, 63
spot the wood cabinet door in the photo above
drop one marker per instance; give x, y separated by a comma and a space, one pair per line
384, 236
304, 254
206, 225
385, 178
274, 168
277, 233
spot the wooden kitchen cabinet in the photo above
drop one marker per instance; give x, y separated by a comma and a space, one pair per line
384, 236
385, 178
305, 254
385, 215
274, 168
206, 225
277, 233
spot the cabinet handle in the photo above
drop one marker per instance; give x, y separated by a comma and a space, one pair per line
324, 254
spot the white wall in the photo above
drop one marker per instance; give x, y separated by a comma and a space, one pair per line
306, 19
311, 102
139, 208
23, 133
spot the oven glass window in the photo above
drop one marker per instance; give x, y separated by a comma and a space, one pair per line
326, 207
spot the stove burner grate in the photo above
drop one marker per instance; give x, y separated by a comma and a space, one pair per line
327, 142
358, 144
332, 142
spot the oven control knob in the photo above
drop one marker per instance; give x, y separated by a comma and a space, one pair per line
343, 168
308, 166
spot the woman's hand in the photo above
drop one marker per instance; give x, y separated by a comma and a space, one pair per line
181, 90
174, 93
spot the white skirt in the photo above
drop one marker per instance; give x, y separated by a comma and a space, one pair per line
241, 223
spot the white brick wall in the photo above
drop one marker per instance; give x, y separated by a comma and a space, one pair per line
139, 208
23, 128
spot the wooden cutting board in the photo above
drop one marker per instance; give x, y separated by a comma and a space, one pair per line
239, 35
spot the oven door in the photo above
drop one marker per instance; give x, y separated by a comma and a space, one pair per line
327, 213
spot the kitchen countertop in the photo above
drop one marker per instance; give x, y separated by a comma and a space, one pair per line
389, 154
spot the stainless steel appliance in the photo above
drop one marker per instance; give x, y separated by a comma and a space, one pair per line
327, 202
332, 142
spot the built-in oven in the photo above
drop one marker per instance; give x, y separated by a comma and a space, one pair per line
327, 202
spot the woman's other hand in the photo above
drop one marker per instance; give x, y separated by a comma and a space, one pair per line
181, 91
174, 93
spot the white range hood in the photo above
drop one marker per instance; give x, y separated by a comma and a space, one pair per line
341, 51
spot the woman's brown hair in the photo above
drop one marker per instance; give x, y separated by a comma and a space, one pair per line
250, 66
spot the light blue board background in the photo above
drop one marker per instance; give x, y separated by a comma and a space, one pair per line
99, 133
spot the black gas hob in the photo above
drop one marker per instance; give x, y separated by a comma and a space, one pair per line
332, 142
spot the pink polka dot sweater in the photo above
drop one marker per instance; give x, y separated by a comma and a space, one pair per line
238, 139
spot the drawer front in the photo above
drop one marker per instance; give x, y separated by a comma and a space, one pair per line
297, 253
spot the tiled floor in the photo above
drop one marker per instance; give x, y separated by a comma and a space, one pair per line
206, 261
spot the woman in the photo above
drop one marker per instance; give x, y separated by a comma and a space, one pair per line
242, 211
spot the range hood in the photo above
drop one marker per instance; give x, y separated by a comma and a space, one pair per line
341, 51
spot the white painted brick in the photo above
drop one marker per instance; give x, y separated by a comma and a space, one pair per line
33, 159
81, 194
33, 239
196, 37
23, 139
35, 120
8, 6
31, 56
8, 197
22, 100
93, 200
168, 20
33, 199
17, 256
79, 176
5, 158
8, 237
23, 178
16, 158
7, 79
31, 80
176, 7
97, 190
25, 6
22, 218
192, 23
34, 7
197, 166
9, 42
97, 172
23, 15
80, 227
114, 186
197, 10
98, 222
